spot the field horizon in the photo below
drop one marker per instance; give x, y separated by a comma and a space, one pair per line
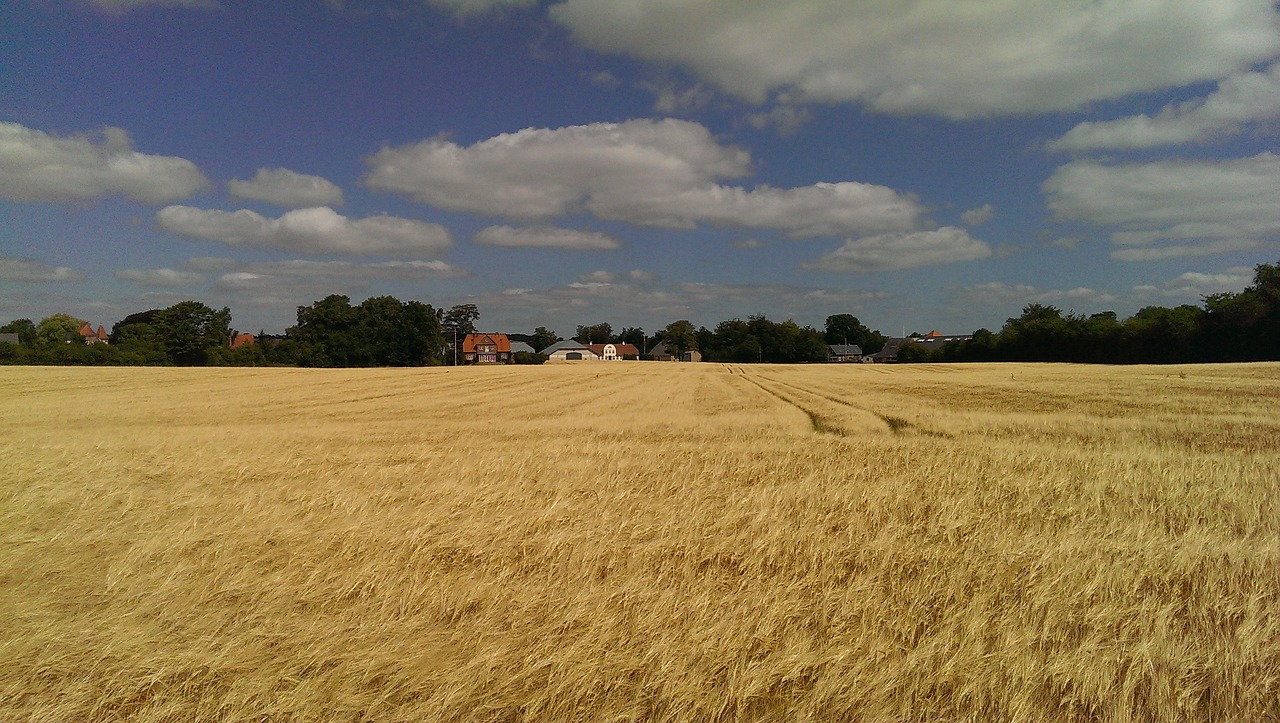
641, 541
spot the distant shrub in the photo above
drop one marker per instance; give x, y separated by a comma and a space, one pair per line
528, 357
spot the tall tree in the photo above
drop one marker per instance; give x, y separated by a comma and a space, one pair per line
461, 317
680, 337
601, 333
632, 335
57, 328
190, 330
543, 338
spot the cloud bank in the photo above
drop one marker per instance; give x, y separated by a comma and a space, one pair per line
39, 166
1172, 208
1238, 100
309, 230
941, 57
17, 268
545, 237
662, 173
896, 251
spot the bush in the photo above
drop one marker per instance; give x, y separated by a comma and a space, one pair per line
528, 357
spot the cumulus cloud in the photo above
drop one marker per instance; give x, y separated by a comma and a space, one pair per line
661, 173
978, 216
160, 277
545, 237
310, 230
39, 166
598, 277
935, 56
1238, 100
17, 268
894, 251
1173, 208
283, 187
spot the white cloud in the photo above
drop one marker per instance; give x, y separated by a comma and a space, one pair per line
1196, 284
787, 119
893, 251
674, 100
309, 230
935, 56
655, 173
287, 188
471, 8
39, 166
641, 275
998, 291
302, 277
123, 6
1203, 207
210, 263
978, 216
160, 277
1238, 100
545, 237
598, 277
16, 268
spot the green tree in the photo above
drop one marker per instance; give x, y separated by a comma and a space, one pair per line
543, 338
190, 329
632, 335
25, 329
680, 337
462, 317
58, 328
601, 333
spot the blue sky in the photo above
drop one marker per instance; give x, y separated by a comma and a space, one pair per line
922, 165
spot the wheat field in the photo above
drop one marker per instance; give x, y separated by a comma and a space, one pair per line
641, 542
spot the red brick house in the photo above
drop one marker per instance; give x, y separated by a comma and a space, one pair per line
239, 340
486, 349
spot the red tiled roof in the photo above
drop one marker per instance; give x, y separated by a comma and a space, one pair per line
240, 340
619, 349
500, 341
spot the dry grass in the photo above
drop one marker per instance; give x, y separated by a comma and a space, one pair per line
656, 542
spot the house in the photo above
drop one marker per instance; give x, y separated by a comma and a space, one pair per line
931, 342
569, 350
519, 346
93, 337
659, 352
935, 339
239, 340
486, 349
889, 353
844, 352
612, 352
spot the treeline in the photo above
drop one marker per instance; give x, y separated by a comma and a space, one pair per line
1229, 327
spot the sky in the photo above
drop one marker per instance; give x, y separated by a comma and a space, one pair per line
920, 164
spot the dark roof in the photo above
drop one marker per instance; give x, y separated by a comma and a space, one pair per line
890, 350
845, 349
519, 346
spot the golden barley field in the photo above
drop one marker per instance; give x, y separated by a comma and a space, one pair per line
641, 542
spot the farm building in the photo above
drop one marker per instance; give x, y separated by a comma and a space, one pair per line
612, 352
844, 353
569, 350
486, 349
